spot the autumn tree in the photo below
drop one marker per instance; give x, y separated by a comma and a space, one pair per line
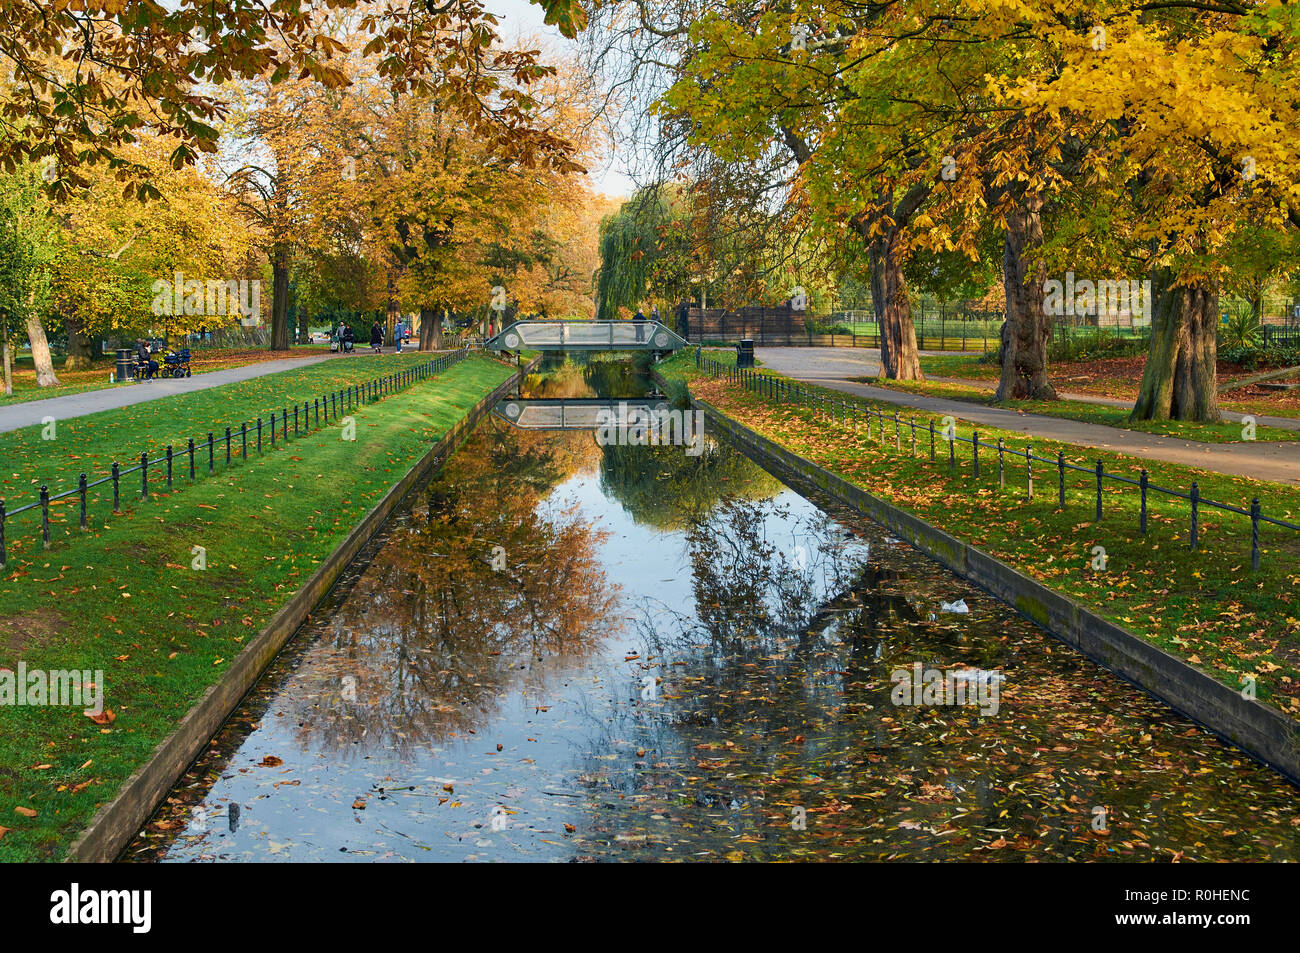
456, 215
31, 244
119, 263
1184, 182
86, 79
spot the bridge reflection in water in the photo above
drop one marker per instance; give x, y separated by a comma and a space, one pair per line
579, 413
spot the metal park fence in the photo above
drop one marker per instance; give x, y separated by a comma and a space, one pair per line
851, 413
967, 326
221, 448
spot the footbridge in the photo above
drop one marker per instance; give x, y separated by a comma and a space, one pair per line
587, 336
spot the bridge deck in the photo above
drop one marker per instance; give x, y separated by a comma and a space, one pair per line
587, 336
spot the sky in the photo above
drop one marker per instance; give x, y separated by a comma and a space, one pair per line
522, 17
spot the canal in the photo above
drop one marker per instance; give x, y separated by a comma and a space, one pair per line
562, 651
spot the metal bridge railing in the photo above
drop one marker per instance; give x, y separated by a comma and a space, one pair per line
587, 335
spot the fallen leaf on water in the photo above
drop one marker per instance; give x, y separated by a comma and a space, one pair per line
271, 761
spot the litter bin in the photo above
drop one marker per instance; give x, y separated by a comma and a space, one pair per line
125, 364
745, 352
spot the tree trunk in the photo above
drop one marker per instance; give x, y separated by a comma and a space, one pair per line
430, 330
1178, 382
8, 360
45, 375
80, 352
1029, 328
280, 340
898, 353
390, 312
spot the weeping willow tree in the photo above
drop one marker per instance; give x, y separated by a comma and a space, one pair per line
665, 488
644, 255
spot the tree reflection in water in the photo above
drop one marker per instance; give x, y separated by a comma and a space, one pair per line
432, 634
775, 705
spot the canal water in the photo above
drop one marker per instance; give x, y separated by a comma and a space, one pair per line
562, 651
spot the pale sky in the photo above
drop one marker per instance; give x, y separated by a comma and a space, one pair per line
522, 17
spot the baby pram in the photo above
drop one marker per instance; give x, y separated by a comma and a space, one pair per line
176, 363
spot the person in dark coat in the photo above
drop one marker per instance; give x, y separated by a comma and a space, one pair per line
147, 365
376, 336
639, 320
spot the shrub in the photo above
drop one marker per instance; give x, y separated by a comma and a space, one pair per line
1241, 330
1255, 357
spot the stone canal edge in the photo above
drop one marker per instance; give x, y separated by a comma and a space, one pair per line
1260, 730
116, 823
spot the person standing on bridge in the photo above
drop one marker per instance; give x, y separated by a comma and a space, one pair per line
639, 320
654, 313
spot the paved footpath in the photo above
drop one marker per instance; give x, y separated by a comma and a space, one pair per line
1264, 420
68, 406
832, 368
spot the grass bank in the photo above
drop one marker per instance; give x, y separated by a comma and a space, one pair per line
124, 598
91, 443
1205, 606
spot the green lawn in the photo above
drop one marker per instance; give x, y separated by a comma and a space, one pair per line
90, 444
1269, 410
1206, 606
97, 377
122, 598
1105, 415
970, 368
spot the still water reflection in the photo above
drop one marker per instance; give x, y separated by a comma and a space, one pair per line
559, 651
